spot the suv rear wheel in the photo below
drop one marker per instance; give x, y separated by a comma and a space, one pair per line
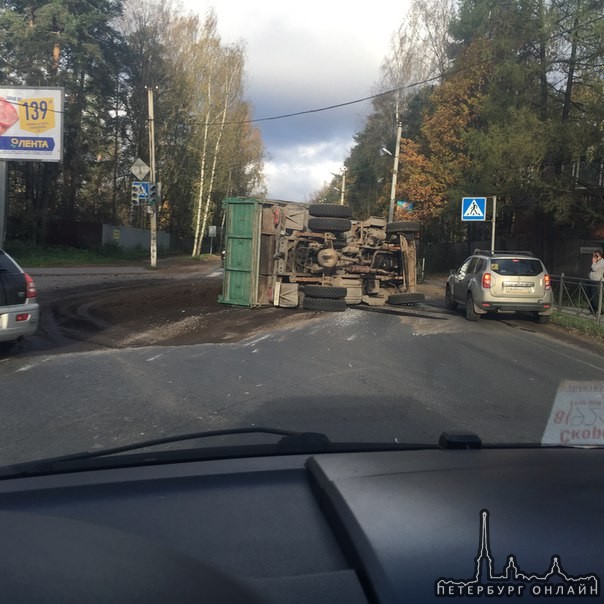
6, 347
450, 303
471, 314
542, 319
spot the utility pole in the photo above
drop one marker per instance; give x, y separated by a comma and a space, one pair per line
153, 206
399, 131
343, 186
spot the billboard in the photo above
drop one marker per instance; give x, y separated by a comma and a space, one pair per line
31, 124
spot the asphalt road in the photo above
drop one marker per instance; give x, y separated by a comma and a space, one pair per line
356, 375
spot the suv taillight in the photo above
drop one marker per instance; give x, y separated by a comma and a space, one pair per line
486, 281
547, 281
31, 291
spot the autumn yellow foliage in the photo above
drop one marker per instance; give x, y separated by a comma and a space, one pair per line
432, 169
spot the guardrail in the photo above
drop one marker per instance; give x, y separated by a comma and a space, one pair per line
576, 296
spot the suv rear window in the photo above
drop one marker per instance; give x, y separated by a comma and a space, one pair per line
521, 267
7, 265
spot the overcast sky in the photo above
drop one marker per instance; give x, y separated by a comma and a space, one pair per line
304, 55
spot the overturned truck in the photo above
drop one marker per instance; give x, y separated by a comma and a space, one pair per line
315, 256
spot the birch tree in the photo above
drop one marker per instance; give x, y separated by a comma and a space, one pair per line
223, 93
199, 111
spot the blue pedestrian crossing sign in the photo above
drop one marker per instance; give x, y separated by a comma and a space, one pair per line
474, 208
141, 189
139, 194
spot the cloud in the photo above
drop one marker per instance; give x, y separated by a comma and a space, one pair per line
297, 171
301, 55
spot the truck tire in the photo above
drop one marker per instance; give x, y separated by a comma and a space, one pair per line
405, 298
393, 228
330, 210
324, 304
332, 225
325, 291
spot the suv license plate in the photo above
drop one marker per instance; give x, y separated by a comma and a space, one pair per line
518, 288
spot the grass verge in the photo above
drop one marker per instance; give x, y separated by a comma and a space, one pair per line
579, 325
37, 256
31, 255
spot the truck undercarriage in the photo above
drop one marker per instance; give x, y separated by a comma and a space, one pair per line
317, 256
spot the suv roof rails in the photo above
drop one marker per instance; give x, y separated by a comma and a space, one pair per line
503, 253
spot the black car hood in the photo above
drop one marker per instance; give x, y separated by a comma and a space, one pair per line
458, 517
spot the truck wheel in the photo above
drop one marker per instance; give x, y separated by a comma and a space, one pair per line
393, 228
471, 314
325, 291
324, 304
330, 210
405, 298
450, 304
332, 225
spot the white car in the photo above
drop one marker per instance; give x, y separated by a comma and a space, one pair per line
19, 309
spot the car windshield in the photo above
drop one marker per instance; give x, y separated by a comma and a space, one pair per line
520, 267
297, 215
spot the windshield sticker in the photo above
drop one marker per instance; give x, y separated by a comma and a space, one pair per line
494, 266
577, 415
514, 582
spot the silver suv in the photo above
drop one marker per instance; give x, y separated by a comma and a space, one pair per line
501, 282
19, 309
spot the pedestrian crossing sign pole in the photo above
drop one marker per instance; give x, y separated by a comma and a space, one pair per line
475, 209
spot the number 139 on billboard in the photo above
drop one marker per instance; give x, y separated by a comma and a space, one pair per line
31, 124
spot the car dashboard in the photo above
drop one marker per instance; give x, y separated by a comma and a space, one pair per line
390, 526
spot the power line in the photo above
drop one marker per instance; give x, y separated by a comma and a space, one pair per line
337, 106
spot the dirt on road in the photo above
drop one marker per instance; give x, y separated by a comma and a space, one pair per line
175, 313
174, 305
